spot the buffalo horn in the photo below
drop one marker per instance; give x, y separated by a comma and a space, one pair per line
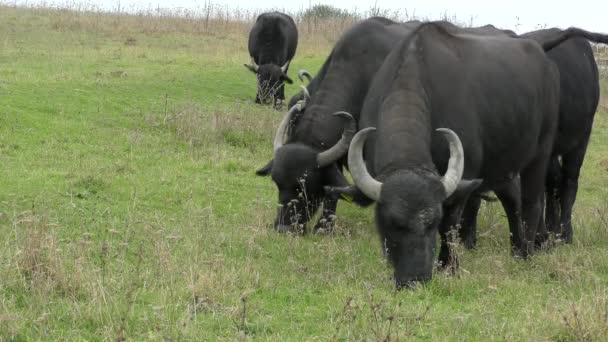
456, 163
304, 73
281, 135
336, 152
306, 96
364, 181
284, 67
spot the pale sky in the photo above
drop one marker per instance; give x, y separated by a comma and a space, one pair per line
518, 15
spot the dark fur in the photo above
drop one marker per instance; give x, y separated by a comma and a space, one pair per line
579, 97
273, 40
500, 95
341, 85
580, 92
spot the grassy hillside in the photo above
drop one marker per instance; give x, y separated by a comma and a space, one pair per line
129, 208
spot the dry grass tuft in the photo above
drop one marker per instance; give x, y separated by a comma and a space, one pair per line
39, 259
583, 322
235, 125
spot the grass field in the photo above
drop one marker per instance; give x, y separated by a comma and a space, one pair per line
129, 208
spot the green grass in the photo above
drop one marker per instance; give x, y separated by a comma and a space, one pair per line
129, 209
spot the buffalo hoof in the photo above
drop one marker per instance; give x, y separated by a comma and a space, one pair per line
522, 253
469, 242
411, 284
566, 235
448, 260
279, 105
325, 225
293, 229
543, 241
449, 266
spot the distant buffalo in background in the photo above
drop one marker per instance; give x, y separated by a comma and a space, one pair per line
272, 44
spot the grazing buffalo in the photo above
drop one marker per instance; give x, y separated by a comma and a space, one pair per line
309, 156
579, 97
496, 101
272, 44
580, 93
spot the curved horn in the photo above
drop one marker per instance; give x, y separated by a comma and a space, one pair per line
284, 67
306, 96
280, 136
456, 163
306, 93
336, 152
364, 181
304, 73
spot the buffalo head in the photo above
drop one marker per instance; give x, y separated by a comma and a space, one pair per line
409, 208
270, 80
300, 173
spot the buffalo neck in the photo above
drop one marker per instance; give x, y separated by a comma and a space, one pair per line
339, 91
404, 127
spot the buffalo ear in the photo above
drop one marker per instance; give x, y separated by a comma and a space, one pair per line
464, 190
265, 170
287, 79
337, 192
251, 68
349, 193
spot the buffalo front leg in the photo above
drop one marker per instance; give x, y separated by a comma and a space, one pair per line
468, 222
448, 232
328, 216
509, 195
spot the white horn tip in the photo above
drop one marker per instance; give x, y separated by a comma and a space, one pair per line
445, 130
367, 130
305, 90
343, 114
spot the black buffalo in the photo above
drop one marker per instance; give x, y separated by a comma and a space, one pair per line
272, 44
310, 155
579, 97
496, 101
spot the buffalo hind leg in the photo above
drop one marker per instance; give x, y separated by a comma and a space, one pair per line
571, 166
532, 194
552, 191
542, 234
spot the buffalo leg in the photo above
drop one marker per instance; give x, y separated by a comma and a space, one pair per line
542, 235
328, 216
532, 193
447, 232
509, 195
552, 206
468, 223
571, 166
